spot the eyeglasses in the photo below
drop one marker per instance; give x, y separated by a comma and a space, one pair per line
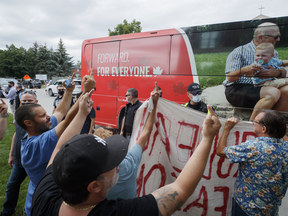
29, 92
127, 95
258, 122
275, 37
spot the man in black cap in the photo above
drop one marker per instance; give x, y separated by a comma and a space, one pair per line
194, 93
82, 171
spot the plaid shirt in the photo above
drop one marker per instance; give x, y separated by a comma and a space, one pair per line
262, 178
241, 57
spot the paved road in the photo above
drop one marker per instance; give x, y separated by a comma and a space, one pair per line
44, 100
47, 102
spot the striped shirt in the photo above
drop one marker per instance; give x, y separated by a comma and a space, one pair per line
241, 57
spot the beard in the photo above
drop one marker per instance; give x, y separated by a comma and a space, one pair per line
41, 128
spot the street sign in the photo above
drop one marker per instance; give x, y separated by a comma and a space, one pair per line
26, 77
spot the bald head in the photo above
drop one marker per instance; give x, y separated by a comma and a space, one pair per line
266, 32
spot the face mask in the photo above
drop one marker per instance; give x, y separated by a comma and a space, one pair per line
9, 86
61, 92
127, 100
196, 98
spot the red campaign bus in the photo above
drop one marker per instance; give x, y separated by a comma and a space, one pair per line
173, 57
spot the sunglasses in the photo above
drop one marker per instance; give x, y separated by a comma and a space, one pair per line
29, 92
198, 93
257, 122
127, 95
275, 37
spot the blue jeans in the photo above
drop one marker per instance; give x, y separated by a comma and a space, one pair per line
236, 209
17, 176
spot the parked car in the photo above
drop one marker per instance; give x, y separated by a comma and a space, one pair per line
27, 84
52, 89
37, 83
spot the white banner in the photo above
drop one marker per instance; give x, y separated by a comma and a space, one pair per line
174, 137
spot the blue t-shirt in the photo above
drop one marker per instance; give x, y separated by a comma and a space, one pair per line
126, 185
35, 155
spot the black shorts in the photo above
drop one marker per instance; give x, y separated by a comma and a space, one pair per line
242, 95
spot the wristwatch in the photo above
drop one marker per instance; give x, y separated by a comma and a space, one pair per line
280, 75
4, 116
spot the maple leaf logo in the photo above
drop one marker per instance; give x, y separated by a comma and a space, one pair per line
179, 89
113, 85
157, 71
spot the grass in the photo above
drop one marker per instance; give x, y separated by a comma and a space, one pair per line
5, 169
211, 68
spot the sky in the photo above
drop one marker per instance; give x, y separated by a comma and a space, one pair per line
24, 22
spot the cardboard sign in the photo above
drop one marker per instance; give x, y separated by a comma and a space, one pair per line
175, 135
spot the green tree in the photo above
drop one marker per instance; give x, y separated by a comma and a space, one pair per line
126, 28
60, 61
42, 60
14, 62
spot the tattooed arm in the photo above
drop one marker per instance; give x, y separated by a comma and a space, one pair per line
170, 197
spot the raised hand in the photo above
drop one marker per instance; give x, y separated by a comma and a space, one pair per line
3, 107
155, 93
89, 82
230, 123
211, 124
86, 103
69, 84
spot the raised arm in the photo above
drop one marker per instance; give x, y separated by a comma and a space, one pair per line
63, 107
3, 118
170, 197
150, 119
75, 127
89, 84
230, 123
11, 156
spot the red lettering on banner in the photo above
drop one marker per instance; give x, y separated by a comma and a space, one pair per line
154, 139
163, 176
139, 180
177, 170
225, 191
199, 205
246, 134
185, 128
212, 156
221, 161
165, 140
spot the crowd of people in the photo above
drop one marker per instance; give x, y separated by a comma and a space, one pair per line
72, 171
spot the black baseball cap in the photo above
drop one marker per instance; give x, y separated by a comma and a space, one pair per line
83, 158
194, 88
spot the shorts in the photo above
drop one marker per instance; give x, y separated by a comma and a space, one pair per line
243, 95
277, 83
